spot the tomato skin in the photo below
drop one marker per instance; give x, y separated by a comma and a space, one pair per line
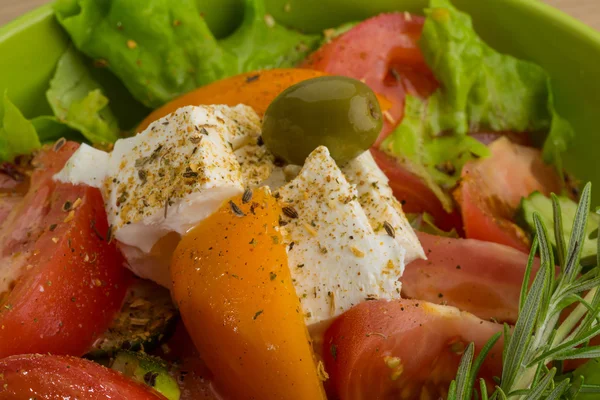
414, 195
53, 377
383, 52
72, 280
479, 277
491, 190
7, 203
484, 223
403, 349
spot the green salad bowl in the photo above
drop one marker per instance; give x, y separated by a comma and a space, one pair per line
567, 49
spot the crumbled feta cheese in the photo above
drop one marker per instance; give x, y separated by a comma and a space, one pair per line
86, 166
377, 200
258, 167
171, 176
335, 256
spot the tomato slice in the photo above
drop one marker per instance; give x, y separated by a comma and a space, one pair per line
480, 277
383, 52
14, 178
7, 203
492, 188
233, 287
414, 195
13, 185
71, 280
54, 377
403, 349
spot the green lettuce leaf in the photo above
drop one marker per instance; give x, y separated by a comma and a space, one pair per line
161, 49
50, 129
261, 43
437, 160
17, 134
426, 223
77, 101
481, 89
332, 33
590, 372
158, 48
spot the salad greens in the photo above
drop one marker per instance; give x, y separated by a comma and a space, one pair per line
161, 49
50, 129
332, 33
539, 337
17, 134
261, 43
157, 58
78, 102
537, 202
425, 222
481, 90
155, 47
590, 372
81, 113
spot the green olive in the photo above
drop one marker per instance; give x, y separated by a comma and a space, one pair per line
340, 113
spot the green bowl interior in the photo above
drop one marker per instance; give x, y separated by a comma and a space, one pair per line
567, 49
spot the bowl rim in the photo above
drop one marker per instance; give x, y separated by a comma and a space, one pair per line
550, 13
24, 21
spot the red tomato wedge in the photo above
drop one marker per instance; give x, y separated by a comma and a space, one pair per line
14, 178
480, 277
403, 349
69, 280
492, 188
383, 52
54, 377
13, 185
7, 203
414, 195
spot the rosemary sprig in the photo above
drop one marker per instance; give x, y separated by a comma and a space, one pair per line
539, 339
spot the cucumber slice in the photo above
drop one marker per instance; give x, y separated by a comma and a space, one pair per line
147, 318
149, 370
543, 205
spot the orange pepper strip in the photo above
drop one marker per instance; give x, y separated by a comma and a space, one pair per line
233, 286
254, 89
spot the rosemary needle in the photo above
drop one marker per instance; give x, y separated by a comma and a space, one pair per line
539, 339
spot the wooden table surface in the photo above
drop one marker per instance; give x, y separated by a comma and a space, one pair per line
586, 10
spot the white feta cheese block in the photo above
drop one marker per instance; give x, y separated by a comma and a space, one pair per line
335, 256
154, 265
242, 124
172, 176
86, 166
258, 167
382, 208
